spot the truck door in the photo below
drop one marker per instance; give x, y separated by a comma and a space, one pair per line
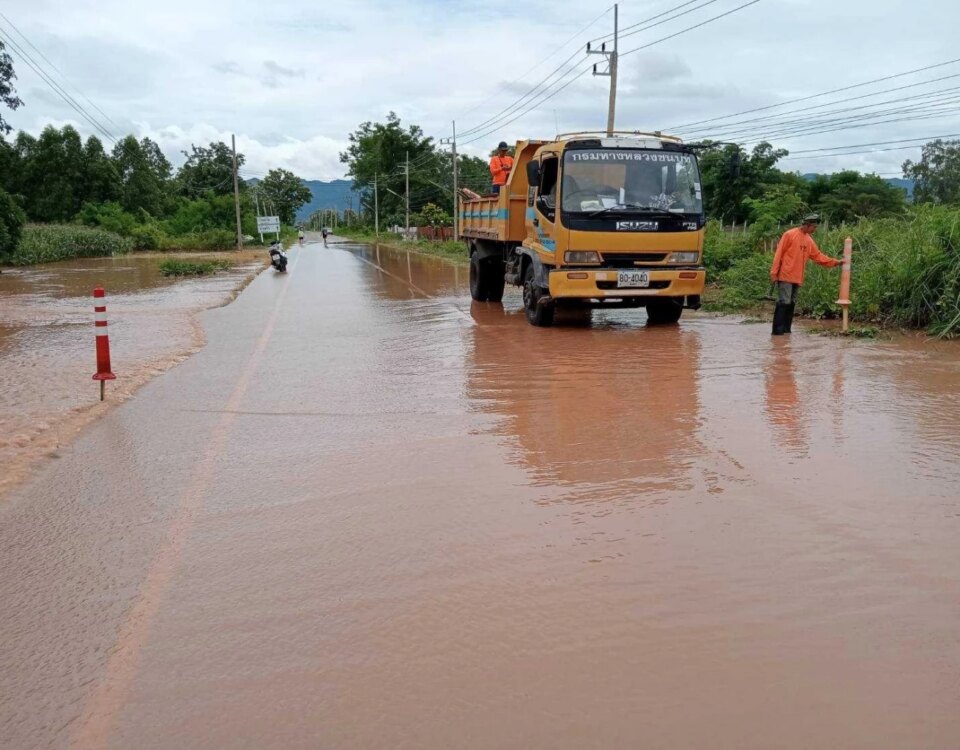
545, 207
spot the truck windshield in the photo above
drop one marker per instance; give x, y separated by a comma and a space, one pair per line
630, 180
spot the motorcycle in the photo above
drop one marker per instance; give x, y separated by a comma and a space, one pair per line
278, 258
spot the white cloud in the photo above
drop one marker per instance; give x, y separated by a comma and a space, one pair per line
293, 78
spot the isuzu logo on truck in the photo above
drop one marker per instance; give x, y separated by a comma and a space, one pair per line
638, 226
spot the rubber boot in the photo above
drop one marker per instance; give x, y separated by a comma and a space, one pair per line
779, 319
788, 317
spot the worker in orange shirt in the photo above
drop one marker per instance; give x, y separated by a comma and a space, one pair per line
795, 248
500, 165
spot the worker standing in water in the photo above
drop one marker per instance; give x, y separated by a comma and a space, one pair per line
795, 248
500, 165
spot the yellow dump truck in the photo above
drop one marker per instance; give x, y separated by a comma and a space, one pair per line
591, 220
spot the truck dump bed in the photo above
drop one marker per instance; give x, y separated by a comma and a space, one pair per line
501, 217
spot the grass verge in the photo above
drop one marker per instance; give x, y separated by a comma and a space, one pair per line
455, 252
45, 243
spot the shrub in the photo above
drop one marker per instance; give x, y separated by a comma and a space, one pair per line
12, 219
174, 267
43, 243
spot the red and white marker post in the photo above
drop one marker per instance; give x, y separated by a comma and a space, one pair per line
104, 373
844, 300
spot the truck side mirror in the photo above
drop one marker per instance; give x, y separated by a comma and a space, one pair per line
533, 173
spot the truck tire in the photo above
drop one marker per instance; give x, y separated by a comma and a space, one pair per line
537, 314
478, 290
665, 311
486, 279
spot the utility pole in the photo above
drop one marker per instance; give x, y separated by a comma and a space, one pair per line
456, 192
256, 197
236, 192
376, 208
407, 193
611, 71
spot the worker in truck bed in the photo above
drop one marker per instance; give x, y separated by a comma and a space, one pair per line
500, 165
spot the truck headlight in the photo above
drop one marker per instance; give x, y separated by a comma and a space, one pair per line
684, 257
581, 256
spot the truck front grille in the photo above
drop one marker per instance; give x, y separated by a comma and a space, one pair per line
623, 260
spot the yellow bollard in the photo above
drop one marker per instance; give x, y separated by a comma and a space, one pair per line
844, 300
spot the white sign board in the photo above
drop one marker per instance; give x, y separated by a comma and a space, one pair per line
268, 224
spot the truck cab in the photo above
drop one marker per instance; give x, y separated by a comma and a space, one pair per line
607, 221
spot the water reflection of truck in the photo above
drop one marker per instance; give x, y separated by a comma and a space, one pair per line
589, 220
647, 383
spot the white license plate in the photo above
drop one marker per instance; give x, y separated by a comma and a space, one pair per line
633, 278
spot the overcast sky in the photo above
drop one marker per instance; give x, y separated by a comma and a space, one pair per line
292, 78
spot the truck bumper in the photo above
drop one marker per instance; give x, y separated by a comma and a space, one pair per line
601, 284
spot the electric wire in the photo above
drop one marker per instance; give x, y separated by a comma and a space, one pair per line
76, 106
62, 75
684, 127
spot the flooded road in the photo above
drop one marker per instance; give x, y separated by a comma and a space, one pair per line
370, 514
47, 342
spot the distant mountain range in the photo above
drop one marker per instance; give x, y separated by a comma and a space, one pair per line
334, 194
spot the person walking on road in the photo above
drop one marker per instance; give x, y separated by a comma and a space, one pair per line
500, 165
795, 248
324, 232
301, 237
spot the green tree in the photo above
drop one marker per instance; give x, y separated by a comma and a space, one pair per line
847, 196
431, 215
727, 187
51, 173
208, 169
101, 182
12, 219
286, 192
937, 175
144, 175
8, 94
379, 151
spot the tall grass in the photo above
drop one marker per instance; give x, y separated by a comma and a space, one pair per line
44, 243
905, 271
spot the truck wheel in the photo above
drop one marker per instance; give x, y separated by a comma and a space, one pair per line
477, 289
537, 314
497, 279
660, 312
486, 279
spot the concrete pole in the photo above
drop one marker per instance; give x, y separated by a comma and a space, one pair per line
456, 191
236, 192
376, 208
612, 107
407, 193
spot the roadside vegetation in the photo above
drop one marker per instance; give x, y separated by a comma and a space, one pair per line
176, 267
130, 198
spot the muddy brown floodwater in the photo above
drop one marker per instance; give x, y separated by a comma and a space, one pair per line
370, 514
47, 342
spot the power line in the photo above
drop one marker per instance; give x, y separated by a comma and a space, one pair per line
942, 108
62, 75
681, 128
772, 118
876, 143
799, 125
690, 28
607, 37
666, 20
526, 73
56, 87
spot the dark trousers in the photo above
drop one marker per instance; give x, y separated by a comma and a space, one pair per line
783, 312
495, 189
